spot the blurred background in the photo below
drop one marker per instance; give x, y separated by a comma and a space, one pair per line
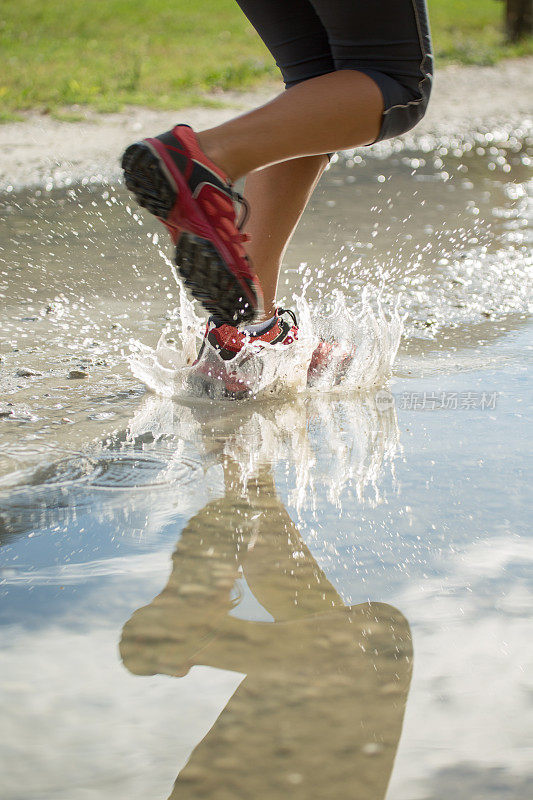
63, 59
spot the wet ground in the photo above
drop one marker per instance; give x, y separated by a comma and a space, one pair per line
306, 594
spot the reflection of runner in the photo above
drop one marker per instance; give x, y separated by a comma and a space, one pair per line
319, 714
356, 72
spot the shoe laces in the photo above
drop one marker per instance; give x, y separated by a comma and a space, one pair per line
291, 314
240, 236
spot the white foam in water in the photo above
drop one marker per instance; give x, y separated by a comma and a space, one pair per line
367, 340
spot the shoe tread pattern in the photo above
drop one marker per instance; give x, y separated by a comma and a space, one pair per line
199, 263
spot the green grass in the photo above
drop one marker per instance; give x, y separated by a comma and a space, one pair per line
169, 53
471, 32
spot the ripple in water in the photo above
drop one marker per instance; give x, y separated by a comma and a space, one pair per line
108, 471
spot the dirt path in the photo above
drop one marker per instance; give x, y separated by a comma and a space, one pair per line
43, 150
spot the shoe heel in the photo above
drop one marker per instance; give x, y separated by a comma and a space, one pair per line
145, 177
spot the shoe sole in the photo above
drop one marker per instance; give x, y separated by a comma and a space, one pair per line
204, 271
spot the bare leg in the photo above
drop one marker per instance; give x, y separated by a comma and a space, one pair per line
332, 112
278, 195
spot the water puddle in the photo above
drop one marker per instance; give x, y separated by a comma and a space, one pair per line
318, 591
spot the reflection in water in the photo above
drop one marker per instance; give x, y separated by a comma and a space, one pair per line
168, 443
167, 462
333, 443
320, 711
354, 436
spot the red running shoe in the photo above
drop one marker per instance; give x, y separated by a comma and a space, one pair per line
223, 370
330, 361
219, 371
172, 178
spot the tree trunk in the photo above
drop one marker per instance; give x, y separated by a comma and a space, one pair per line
518, 19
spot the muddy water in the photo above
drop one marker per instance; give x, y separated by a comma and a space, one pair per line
308, 594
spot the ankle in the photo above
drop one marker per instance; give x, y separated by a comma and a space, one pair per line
270, 310
210, 145
260, 325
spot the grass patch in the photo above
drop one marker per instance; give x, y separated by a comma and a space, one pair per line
169, 53
67, 115
9, 116
471, 32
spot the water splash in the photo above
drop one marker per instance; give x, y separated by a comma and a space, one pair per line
366, 342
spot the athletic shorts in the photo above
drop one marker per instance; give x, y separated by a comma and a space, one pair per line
388, 40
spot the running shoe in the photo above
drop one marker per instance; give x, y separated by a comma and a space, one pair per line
227, 365
330, 362
172, 178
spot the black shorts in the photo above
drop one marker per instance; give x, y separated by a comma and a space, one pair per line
388, 40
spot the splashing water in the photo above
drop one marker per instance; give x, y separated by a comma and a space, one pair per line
366, 342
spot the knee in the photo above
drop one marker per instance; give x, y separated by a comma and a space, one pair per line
406, 112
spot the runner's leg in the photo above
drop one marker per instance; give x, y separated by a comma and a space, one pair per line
354, 74
303, 49
278, 196
331, 112
378, 85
